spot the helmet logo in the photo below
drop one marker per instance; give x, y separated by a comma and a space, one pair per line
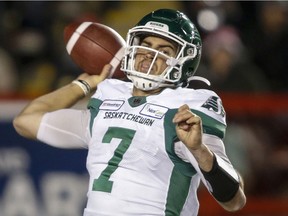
157, 25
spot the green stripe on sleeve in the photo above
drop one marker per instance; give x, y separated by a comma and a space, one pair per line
93, 106
210, 125
170, 138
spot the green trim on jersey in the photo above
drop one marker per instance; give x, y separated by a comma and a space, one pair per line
183, 171
210, 125
93, 106
170, 138
178, 192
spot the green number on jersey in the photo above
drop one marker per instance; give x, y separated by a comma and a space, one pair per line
126, 136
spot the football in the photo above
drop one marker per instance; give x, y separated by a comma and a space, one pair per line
92, 45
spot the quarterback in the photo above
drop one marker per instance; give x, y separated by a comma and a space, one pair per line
150, 141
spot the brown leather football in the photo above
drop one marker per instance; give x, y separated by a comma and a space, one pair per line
92, 45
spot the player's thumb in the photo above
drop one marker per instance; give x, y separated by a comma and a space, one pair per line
106, 71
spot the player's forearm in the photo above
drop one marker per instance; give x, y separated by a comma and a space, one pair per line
64, 97
28, 121
204, 157
61, 98
226, 183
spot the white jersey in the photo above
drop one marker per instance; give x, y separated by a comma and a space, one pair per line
137, 165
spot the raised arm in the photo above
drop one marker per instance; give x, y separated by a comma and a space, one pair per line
227, 185
28, 121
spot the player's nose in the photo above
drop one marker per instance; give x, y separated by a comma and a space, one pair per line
149, 54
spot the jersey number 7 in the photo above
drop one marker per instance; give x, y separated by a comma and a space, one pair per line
126, 135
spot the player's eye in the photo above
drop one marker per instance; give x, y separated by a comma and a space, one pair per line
141, 51
168, 52
144, 44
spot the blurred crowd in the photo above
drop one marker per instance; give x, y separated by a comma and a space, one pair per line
245, 46
245, 50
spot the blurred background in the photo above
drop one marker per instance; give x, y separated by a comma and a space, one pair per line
245, 57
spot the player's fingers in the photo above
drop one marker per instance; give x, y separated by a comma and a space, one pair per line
186, 116
194, 119
83, 76
183, 107
182, 114
93, 80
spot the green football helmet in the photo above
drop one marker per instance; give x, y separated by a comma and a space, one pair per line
173, 26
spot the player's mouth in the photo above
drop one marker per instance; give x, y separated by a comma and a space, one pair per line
145, 65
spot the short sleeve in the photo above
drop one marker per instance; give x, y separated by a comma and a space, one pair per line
66, 128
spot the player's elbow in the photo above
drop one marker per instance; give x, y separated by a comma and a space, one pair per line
23, 127
18, 125
236, 206
237, 203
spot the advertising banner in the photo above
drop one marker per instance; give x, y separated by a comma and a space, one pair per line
40, 180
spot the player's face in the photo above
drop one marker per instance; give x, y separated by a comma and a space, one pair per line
145, 57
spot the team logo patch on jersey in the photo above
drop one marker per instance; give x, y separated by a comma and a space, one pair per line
214, 103
111, 105
154, 111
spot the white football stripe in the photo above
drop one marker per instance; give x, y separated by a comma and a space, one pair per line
75, 36
115, 61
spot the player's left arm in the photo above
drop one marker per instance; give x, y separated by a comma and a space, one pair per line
226, 184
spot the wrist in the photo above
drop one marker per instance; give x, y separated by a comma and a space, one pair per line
204, 157
83, 85
222, 179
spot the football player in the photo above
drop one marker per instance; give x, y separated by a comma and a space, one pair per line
150, 141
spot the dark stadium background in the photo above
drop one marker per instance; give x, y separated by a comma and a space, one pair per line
36, 179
